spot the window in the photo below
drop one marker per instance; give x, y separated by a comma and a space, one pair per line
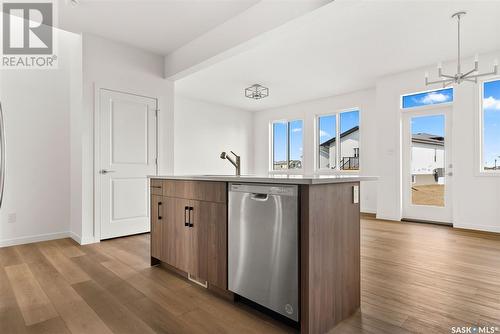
340, 154
491, 126
287, 144
327, 149
427, 98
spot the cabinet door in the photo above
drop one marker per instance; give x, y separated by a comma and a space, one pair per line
156, 226
217, 244
208, 243
197, 266
175, 233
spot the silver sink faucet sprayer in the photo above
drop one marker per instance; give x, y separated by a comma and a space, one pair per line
236, 163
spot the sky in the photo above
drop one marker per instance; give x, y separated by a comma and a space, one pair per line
428, 98
491, 139
280, 140
327, 124
433, 125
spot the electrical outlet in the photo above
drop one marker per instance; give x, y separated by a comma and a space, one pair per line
355, 194
12, 218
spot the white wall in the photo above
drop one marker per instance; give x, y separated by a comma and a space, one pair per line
37, 106
203, 130
475, 197
111, 65
364, 100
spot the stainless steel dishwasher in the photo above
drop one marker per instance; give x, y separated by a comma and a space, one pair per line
264, 246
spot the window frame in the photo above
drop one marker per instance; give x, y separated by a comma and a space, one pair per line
271, 147
426, 106
338, 152
480, 129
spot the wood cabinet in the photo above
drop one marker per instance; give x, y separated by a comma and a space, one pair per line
189, 228
189, 232
215, 218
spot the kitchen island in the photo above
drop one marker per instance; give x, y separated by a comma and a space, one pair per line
189, 235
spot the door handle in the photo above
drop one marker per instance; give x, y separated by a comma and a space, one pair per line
191, 209
259, 197
186, 221
159, 206
107, 171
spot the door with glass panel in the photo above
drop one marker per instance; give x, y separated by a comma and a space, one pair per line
427, 168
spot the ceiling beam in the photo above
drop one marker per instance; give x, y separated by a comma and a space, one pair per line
235, 35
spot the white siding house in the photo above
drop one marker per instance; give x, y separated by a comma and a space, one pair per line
427, 158
427, 154
349, 151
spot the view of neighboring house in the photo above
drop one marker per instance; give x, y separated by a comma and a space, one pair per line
427, 159
282, 165
349, 150
427, 155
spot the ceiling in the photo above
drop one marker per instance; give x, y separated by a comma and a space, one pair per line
345, 46
159, 26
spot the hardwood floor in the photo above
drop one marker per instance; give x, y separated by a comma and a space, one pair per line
415, 278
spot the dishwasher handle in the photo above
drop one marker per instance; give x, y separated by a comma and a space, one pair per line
259, 197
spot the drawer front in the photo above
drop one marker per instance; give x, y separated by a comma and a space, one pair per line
197, 190
156, 187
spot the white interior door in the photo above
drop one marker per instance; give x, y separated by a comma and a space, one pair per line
127, 155
427, 168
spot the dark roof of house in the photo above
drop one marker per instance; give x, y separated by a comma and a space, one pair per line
342, 135
426, 138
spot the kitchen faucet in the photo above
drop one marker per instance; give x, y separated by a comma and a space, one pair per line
236, 163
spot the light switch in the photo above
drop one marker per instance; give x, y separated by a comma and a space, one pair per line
11, 218
355, 194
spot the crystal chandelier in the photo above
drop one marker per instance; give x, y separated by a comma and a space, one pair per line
459, 77
256, 92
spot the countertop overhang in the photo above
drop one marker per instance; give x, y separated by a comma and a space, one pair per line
271, 178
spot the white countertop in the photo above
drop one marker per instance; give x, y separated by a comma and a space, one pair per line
271, 178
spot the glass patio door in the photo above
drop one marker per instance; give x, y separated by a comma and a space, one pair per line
427, 168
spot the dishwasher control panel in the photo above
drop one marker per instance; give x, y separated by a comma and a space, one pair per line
282, 190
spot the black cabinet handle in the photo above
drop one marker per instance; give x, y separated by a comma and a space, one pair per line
159, 207
186, 221
191, 209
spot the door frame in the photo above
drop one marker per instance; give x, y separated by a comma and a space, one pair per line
428, 213
96, 128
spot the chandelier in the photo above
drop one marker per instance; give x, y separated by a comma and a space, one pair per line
256, 92
459, 77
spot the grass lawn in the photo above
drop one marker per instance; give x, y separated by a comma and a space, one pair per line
432, 194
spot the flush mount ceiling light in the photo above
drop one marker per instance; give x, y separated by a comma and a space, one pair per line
256, 92
459, 77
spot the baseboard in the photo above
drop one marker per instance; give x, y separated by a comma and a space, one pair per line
34, 238
87, 241
369, 211
368, 215
76, 237
481, 228
82, 241
388, 218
